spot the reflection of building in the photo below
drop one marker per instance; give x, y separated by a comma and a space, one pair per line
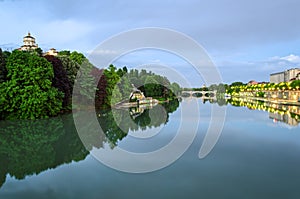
278, 112
136, 95
136, 111
283, 118
28, 43
52, 52
285, 76
291, 96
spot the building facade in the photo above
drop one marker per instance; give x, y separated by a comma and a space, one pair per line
28, 43
285, 76
52, 52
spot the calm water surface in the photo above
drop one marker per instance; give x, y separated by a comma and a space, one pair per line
256, 156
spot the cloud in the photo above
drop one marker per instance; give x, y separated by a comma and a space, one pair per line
217, 24
258, 70
244, 34
291, 58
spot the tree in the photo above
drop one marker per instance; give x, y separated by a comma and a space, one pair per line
38, 51
28, 93
3, 71
101, 87
60, 80
151, 87
80, 69
86, 85
112, 79
64, 53
71, 67
295, 84
77, 57
175, 88
237, 84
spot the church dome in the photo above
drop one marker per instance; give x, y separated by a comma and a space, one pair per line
29, 36
29, 43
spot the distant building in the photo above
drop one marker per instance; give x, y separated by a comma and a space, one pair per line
285, 76
52, 52
252, 82
28, 43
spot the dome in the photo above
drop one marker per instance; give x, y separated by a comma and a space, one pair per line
29, 43
29, 36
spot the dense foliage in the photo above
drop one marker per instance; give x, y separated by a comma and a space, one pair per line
33, 86
74, 63
28, 91
115, 85
3, 71
60, 80
260, 89
220, 88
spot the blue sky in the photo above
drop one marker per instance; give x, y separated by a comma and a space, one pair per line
245, 39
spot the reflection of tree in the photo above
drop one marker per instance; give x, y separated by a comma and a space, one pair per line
117, 123
110, 128
30, 147
220, 100
3, 169
171, 106
287, 114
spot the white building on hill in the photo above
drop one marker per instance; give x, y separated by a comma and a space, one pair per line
28, 43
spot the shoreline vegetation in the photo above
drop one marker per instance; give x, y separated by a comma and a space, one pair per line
287, 93
34, 86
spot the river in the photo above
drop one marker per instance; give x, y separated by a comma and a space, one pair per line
257, 154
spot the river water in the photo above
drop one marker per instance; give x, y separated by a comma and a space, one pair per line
256, 156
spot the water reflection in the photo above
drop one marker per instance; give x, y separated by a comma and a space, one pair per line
287, 114
117, 123
30, 147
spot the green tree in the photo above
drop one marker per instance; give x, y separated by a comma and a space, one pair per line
237, 84
38, 51
176, 89
3, 70
295, 84
28, 92
64, 53
77, 57
112, 80
71, 67
151, 87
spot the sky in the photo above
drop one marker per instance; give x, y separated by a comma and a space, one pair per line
246, 40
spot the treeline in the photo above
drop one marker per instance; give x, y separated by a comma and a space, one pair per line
36, 86
119, 83
236, 87
260, 89
220, 88
33, 86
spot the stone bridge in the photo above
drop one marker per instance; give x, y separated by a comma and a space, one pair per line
200, 94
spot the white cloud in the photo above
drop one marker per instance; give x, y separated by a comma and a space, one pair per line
291, 58
103, 52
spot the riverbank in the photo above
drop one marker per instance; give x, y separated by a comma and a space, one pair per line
271, 100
